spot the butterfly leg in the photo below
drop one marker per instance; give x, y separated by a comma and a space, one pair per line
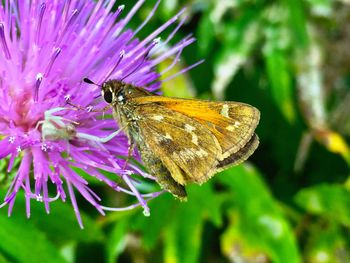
130, 152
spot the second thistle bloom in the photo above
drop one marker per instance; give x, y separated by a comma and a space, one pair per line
46, 49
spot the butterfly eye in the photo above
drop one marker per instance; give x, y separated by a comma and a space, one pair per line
108, 96
121, 96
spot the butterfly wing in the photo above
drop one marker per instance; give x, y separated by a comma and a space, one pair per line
186, 148
240, 156
232, 123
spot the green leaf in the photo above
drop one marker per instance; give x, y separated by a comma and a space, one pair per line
151, 227
21, 241
331, 201
3, 259
206, 37
117, 239
260, 223
239, 38
297, 22
62, 220
208, 200
183, 234
327, 243
278, 70
227, 63
168, 7
321, 7
61, 224
180, 224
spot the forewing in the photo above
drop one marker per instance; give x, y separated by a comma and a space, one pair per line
232, 123
185, 147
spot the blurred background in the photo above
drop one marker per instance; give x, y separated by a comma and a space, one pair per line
289, 203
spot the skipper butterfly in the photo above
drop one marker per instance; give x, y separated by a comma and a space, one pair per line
182, 141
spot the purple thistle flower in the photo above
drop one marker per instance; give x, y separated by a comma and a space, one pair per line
46, 49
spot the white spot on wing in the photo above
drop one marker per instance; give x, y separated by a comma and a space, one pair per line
201, 153
194, 138
168, 136
189, 128
185, 153
157, 117
191, 153
230, 128
163, 138
234, 126
224, 111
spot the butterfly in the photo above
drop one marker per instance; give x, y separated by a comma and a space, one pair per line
182, 141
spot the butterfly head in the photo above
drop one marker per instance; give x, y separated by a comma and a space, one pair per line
117, 92
114, 92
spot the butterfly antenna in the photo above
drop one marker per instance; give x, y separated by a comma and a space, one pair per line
89, 81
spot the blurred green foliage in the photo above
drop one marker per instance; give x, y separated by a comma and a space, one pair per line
289, 203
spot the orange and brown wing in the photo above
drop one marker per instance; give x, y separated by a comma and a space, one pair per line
187, 149
232, 123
